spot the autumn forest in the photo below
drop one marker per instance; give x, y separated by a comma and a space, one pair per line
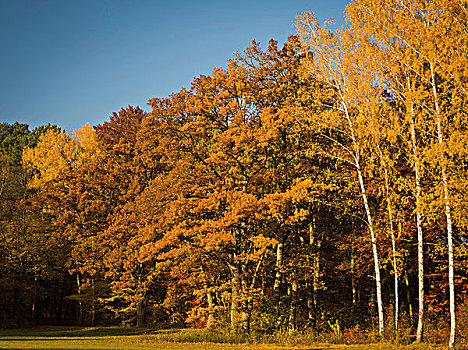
319, 185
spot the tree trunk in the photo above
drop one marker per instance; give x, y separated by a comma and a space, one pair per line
80, 304
312, 290
209, 298
353, 282
245, 318
392, 233
316, 276
408, 297
316, 281
292, 308
395, 281
93, 304
419, 331
140, 310
310, 304
374, 252
35, 306
356, 156
450, 261
211, 314
245, 304
448, 212
235, 283
278, 276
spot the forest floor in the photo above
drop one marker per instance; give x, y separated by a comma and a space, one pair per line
100, 338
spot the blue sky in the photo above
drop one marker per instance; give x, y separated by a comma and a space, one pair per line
69, 62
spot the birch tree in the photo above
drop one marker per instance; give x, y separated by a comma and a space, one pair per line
334, 62
425, 42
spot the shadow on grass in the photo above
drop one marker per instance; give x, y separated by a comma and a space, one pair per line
33, 339
143, 336
46, 347
81, 332
54, 348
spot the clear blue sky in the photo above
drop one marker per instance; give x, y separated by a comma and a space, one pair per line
68, 62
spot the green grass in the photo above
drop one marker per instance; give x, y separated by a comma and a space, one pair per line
100, 338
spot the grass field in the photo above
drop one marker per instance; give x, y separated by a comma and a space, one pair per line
64, 338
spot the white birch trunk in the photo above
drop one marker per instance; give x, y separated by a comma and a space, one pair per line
292, 307
80, 304
378, 283
419, 331
392, 232
370, 224
397, 301
278, 276
448, 213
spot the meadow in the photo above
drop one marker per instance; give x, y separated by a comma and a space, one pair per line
103, 338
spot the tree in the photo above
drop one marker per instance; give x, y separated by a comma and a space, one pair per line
335, 63
418, 38
28, 263
59, 164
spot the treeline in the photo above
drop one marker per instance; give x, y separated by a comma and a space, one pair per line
319, 185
